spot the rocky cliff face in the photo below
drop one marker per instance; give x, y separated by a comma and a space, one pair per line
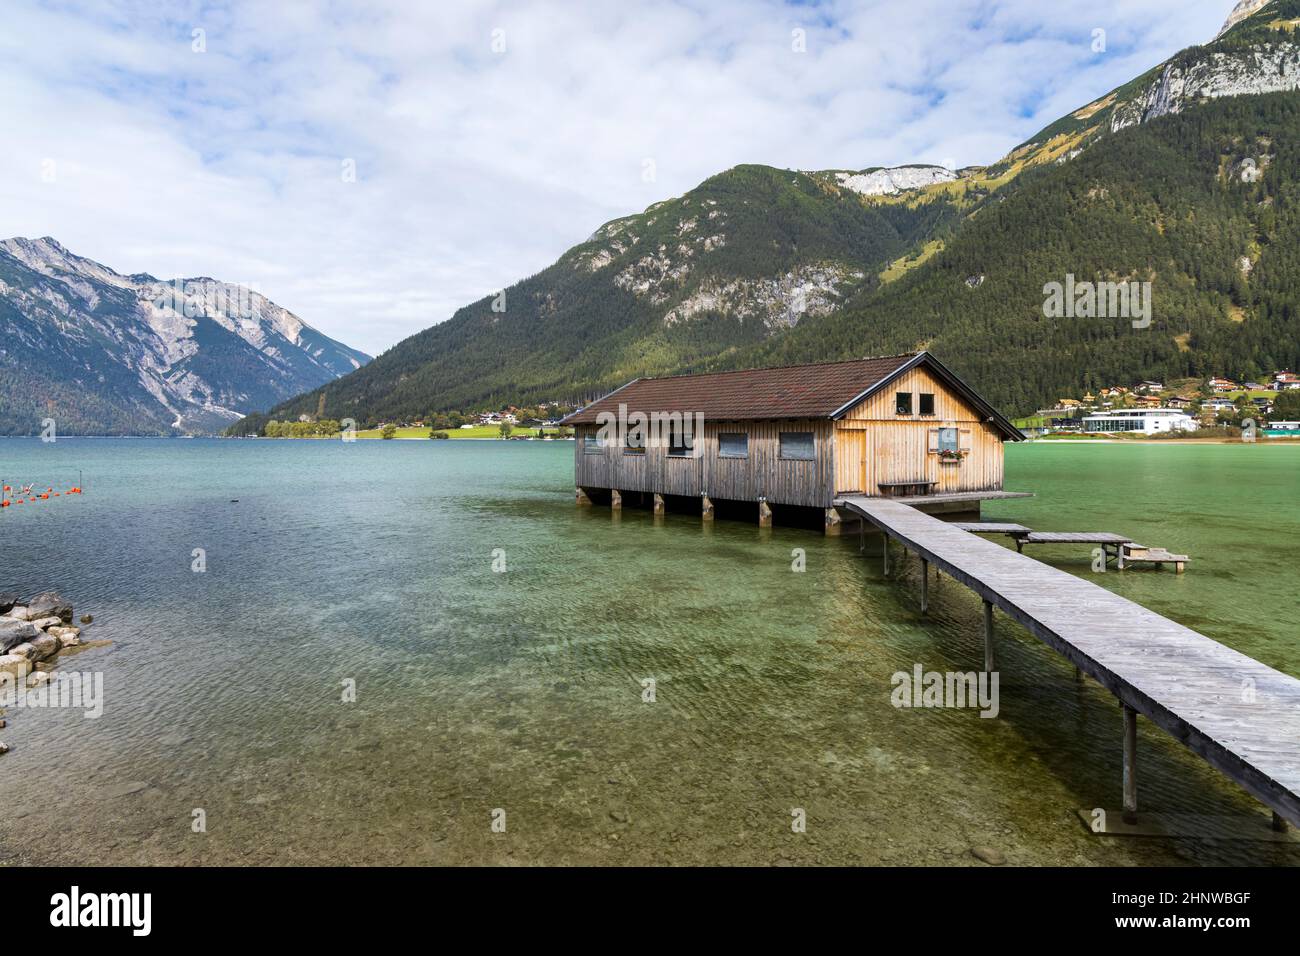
1274, 68
891, 182
106, 353
1244, 9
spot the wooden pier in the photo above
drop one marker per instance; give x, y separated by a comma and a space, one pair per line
1241, 716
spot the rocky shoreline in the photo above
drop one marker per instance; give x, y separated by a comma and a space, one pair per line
31, 636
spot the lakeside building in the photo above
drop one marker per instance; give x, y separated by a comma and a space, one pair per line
1148, 421
798, 436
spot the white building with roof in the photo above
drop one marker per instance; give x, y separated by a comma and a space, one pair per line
1147, 421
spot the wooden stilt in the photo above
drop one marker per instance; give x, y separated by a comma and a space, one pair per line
764, 514
659, 503
862, 537
706, 508
884, 550
925, 585
1130, 765
615, 500
990, 659
834, 523
1279, 822
582, 497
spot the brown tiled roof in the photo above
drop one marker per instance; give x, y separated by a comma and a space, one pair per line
794, 391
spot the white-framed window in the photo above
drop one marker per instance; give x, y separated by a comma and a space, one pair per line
733, 445
798, 446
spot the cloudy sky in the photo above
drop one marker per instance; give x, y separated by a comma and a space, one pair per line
216, 138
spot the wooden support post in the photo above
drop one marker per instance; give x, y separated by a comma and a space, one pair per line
1119, 557
862, 536
583, 498
659, 503
706, 508
764, 514
884, 549
990, 659
615, 500
1279, 822
834, 523
925, 585
1130, 765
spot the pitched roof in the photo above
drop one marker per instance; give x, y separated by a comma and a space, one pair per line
822, 390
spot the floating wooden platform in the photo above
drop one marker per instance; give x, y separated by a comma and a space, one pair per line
991, 527
1074, 537
1242, 716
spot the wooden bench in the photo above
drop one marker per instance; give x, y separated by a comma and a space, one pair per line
1140, 553
906, 489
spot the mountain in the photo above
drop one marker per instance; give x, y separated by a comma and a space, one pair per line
745, 255
1184, 177
107, 354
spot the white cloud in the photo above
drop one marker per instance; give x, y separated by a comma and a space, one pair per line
476, 168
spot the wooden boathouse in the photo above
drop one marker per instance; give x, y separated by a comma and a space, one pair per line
798, 436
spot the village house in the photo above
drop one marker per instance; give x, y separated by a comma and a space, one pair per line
797, 437
1223, 385
1217, 405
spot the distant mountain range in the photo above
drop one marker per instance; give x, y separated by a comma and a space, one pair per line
106, 354
1186, 177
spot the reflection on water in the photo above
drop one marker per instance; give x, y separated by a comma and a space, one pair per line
373, 563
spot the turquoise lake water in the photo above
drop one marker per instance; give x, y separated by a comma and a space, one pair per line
372, 562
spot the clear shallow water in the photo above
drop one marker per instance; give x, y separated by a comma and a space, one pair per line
476, 690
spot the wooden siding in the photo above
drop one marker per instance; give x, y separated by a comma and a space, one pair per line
874, 444
764, 474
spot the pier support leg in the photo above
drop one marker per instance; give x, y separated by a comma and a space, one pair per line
1279, 822
884, 549
582, 497
659, 503
1130, 765
834, 523
764, 514
615, 500
1119, 557
706, 508
862, 537
925, 585
990, 659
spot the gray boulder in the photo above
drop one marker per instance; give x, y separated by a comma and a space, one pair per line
49, 604
45, 623
46, 647
19, 667
7, 601
14, 632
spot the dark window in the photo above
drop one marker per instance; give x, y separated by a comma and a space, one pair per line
634, 442
733, 445
797, 446
679, 444
592, 445
927, 403
903, 403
